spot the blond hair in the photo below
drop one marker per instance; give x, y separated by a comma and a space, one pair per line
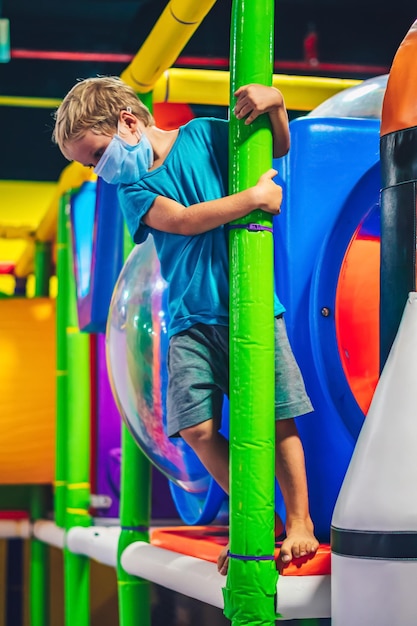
95, 104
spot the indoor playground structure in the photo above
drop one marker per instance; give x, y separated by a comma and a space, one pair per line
86, 466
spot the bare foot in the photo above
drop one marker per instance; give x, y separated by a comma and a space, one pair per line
223, 559
300, 541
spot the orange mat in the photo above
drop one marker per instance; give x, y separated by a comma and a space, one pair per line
206, 542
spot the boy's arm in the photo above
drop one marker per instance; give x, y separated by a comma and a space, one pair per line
253, 100
171, 217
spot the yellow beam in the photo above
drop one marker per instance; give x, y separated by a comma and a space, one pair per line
305, 93
72, 177
30, 103
301, 93
175, 27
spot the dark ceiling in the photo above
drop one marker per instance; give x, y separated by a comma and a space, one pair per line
351, 32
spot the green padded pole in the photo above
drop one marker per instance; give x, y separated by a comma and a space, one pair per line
77, 589
62, 270
251, 583
43, 267
39, 563
39, 551
77, 567
134, 593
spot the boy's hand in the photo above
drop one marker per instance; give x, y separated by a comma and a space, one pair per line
270, 194
253, 100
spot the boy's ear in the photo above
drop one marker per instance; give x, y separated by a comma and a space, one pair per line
127, 119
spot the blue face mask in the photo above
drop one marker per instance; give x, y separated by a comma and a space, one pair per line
123, 163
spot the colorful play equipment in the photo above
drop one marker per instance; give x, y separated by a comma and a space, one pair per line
111, 360
348, 227
374, 537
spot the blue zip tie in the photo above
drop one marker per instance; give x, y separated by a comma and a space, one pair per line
251, 227
243, 557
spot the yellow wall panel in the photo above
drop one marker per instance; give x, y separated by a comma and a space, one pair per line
27, 390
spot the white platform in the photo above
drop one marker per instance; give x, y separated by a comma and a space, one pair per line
299, 597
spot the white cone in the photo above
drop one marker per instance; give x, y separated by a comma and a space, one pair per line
374, 524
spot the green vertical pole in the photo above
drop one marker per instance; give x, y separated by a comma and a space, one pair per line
134, 593
62, 270
251, 583
39, 563
39, 551
43, 263
77, 567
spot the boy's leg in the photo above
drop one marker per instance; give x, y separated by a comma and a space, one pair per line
291, 476
211, 448
213, 451
198, 378
291, 399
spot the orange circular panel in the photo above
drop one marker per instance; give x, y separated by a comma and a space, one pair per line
357, 317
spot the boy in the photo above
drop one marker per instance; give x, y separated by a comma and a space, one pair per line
173, 184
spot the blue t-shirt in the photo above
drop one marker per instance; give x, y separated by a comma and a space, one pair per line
196, 267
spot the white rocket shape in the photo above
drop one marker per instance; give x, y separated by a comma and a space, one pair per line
374, 524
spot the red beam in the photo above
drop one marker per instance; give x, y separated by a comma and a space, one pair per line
53, 55
199, 62
6, 267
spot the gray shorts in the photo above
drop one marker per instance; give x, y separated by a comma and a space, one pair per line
198, 377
